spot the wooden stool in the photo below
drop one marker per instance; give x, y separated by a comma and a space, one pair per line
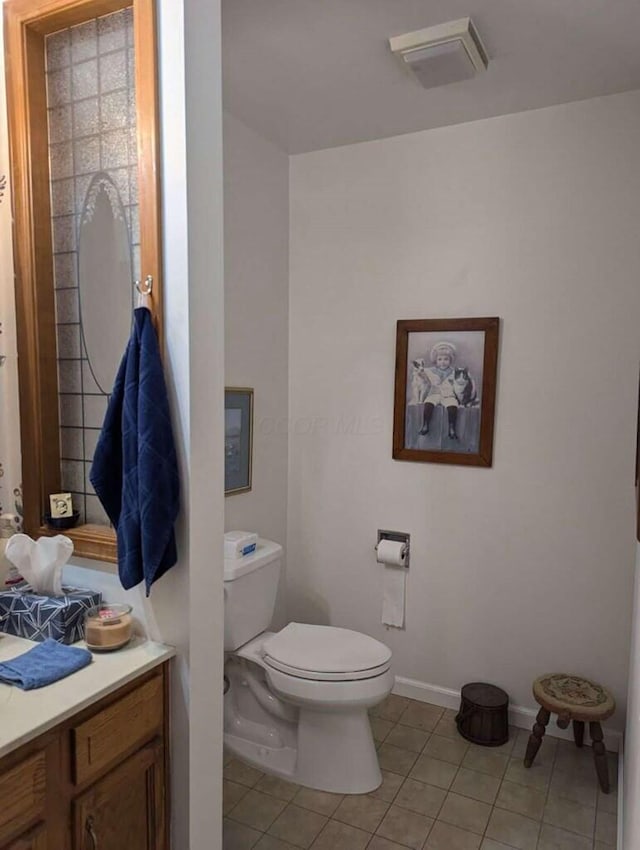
575, 699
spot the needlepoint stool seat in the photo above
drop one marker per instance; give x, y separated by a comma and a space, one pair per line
578, 700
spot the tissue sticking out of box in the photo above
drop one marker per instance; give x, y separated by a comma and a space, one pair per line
40, 562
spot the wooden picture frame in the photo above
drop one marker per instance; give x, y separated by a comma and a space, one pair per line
445, 390
238, 440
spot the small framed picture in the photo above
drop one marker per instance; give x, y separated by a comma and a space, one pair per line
238, 439
61, 505
445, 390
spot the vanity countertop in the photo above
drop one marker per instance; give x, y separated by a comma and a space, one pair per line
26, 714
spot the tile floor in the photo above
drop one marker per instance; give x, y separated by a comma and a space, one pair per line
438, 793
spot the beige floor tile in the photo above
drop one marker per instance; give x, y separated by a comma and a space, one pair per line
434, 772
297, 826
405, 827
508, 747
277, 787
575, 786
407, 738
321, 802
238, 771
380, 843
420, 797
478, 786
606, 828
391, 783
396, 759
446, 749
422, 715
520, 799
608, 802
361, 811
444, 836
520, 742
237, 836
340, 836
570, 815
257, 810
571, 758
553, 838
466, 813
513, 829
490, 844
536, 776
232, 793
268, 842
391, 708
485, 760
380, 728
446, 726
599, 845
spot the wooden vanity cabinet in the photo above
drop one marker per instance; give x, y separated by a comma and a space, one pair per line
96, 782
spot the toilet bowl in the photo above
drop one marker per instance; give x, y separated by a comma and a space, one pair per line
297, 702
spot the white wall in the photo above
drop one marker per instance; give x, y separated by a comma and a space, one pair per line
256, 249
527, 566
631, 825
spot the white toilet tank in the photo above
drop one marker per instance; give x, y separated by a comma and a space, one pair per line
250, 587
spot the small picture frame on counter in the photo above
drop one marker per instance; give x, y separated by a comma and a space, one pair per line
61, 505
238, 439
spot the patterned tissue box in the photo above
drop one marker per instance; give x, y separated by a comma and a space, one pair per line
30, 615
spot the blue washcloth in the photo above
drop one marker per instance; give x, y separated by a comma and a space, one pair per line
135, 469
45, 663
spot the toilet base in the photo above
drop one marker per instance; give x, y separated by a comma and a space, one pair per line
329, 748
335, 753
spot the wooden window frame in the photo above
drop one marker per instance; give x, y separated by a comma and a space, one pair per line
27, 23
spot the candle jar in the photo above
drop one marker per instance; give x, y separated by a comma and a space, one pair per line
108, 627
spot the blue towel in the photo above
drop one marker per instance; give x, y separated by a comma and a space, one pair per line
135, 469
45, 663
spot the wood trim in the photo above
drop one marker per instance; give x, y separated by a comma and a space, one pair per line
26, 24
89, 541
144, 19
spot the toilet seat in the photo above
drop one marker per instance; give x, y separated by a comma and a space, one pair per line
325, 653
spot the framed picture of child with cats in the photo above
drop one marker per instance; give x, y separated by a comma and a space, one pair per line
445, 391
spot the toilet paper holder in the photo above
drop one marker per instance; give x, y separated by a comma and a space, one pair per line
398, 536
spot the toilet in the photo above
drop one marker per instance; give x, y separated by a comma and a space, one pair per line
296, 701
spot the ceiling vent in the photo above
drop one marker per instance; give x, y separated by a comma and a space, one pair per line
443, 54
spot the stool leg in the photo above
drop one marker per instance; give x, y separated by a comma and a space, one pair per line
535, 739
599, 756
578, 732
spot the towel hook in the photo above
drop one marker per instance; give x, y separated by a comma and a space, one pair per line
148, 285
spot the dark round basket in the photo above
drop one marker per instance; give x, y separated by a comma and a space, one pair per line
484, 714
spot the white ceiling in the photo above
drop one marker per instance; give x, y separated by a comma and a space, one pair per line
311, 74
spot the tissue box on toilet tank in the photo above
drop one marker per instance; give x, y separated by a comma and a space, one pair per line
30, 615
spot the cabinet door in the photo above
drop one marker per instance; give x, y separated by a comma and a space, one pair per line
126, 808
36, 839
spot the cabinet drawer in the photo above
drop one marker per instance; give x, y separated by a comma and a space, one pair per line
117, 730
22, 793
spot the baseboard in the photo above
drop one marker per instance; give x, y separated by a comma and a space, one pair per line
519, 715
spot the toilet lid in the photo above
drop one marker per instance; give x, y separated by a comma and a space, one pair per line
301, 648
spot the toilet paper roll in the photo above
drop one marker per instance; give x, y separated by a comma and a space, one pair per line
393, 596
392, 552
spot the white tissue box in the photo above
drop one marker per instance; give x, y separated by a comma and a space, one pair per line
30, 615
239, 543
